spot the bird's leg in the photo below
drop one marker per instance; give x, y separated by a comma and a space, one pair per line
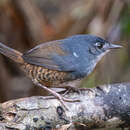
55, 94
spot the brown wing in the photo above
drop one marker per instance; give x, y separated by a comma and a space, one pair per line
49, 55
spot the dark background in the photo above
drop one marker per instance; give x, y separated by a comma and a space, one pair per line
26, 23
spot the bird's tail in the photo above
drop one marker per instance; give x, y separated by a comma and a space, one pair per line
11, 53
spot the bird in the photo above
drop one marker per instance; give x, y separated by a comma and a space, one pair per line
61, 62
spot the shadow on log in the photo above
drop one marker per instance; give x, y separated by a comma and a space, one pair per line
106, 106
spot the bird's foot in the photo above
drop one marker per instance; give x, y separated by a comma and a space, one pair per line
73, 86
62, 99
74, 89
55, 94
71, 89
86, 89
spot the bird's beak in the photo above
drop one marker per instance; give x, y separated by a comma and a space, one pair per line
114, 46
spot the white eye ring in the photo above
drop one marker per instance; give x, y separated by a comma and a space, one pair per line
99, 45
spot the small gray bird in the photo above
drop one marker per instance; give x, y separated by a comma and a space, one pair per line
61, 62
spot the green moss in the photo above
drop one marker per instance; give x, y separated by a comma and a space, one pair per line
90, 81
125, 21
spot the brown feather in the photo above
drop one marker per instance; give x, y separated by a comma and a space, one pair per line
42, 55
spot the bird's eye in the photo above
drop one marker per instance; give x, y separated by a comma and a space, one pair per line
99, 45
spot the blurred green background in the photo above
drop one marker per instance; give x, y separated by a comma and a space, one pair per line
26, 23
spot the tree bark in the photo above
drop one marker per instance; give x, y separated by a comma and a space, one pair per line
106, 106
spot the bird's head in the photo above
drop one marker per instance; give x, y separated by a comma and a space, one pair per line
91, 50
92, 45
98, 46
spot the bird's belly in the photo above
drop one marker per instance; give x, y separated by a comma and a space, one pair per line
45, 76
